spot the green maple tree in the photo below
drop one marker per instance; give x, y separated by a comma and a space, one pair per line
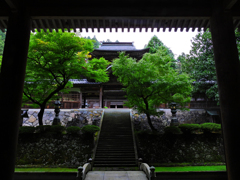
151, 81
53, 59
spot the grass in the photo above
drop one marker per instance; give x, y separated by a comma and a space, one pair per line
190, 168
157, 169
45, 170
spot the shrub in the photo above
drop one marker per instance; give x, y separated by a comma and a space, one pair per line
43, 129
26, 129
210, 127
189, 128
90, 129
142, 132
172, 130
58, 129
73, 130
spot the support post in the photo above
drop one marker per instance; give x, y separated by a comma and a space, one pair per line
11, 87
80, 100
228, 78
84, 101
100, 97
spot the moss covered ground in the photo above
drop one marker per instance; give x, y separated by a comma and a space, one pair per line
157, 169
190, 168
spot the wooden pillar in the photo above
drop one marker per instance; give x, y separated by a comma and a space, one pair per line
100, 97
228, 78
11, 87
84, 101
80, 100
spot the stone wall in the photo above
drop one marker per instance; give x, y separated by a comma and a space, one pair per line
78, 117
168, 148
53, 151
196, 116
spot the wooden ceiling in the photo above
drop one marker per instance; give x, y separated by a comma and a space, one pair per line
125, 14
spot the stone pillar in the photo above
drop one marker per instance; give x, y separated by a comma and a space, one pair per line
100, 97
11, 87
228, 78
80, 100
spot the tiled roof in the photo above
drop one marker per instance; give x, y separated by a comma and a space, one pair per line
82, 81
117, 46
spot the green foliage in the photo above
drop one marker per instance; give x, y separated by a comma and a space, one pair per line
90, 129
189, 128
73, 130
200, 65
2, 41
43, 129
96, 43
154, 44
0, 62
26, 129
151, 81
172, 130
58, 129
211, 127
53, 59
142, 132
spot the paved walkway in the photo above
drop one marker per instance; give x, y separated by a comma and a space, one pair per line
116, 175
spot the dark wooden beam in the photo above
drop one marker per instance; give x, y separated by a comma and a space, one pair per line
13, 5
228, 79
228, 4
12, 70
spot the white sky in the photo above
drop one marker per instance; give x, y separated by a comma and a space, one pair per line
178, 41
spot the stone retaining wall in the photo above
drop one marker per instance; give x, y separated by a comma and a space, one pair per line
192, 148
53, 151
78, 117
196, 116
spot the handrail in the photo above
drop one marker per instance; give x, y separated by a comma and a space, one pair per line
149, 171
133, 135
82, 171
95, 148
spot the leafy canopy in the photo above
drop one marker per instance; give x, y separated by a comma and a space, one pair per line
151, 81
55, 58
2, 40
200, 65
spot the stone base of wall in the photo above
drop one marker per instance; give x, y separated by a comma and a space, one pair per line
53, 151
168, 148
76, 117
194, 116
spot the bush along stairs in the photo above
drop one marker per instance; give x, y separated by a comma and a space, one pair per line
116, 145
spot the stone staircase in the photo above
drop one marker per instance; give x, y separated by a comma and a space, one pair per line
115, 146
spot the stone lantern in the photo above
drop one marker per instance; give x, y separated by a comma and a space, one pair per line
56, 120
174, 120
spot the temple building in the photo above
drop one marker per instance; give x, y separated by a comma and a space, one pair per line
90, 94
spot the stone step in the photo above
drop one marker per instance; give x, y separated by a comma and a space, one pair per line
115, 146
115, 159
115, 165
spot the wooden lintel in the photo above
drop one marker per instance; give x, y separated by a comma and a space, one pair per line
12, 4
229, 3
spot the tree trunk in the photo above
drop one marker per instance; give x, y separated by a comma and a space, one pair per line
150, 122
148, 116
40, 115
